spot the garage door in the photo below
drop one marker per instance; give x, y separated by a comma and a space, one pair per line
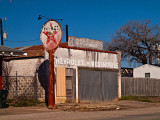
98, 85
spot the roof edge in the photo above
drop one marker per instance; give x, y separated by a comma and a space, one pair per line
76, 48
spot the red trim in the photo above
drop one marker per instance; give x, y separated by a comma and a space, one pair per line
62, 46
51, 92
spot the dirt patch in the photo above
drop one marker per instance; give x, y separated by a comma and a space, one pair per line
80, 107
154, 99
104, 106
87, 107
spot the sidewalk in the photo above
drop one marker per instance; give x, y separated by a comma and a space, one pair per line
79, 107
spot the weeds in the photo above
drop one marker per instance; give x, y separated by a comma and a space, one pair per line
23, 102
137, 98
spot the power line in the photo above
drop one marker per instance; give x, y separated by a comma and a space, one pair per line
23, 41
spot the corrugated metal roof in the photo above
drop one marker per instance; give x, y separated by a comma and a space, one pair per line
32, 51
7, 51
35, 50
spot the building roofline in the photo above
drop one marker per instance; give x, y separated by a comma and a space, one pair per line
147, 65
76, 48
19, 58
10, 52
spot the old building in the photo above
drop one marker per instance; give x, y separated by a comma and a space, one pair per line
7, 52
83, 72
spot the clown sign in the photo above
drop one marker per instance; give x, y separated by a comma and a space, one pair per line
51, 35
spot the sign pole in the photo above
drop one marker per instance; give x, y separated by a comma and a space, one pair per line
51, 94
53, 81
51, 36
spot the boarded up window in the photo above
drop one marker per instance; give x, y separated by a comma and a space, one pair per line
60, 80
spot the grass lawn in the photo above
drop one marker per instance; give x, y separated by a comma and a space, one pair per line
154, 99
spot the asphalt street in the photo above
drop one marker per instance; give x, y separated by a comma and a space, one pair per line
149, 113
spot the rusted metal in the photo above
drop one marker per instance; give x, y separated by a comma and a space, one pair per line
51, 36
51, 93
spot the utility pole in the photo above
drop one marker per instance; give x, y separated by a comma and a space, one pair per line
66, 33
1, 57
1, 32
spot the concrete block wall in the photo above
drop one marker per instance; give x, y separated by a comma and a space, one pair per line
26, 79
24, 88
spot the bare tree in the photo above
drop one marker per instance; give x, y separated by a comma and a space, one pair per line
138, 40
7, 68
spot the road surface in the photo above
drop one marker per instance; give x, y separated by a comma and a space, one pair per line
149, 113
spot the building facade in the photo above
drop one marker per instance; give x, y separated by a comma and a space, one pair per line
82, 73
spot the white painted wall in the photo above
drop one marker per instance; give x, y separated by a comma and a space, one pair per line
140, 71
69, 58
72, 58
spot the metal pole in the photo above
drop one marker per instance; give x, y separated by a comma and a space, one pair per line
1, 32
1, 78
66, 33
16, 86
1, 82
51, 93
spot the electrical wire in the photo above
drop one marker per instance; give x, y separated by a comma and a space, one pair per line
22, 41
27, 40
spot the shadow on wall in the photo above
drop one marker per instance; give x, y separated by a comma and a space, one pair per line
43, 77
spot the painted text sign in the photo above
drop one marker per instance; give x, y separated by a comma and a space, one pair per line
64, 57
82, 63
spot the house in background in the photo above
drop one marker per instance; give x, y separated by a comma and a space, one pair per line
147, 71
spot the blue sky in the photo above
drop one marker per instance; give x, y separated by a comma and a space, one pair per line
94, 19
